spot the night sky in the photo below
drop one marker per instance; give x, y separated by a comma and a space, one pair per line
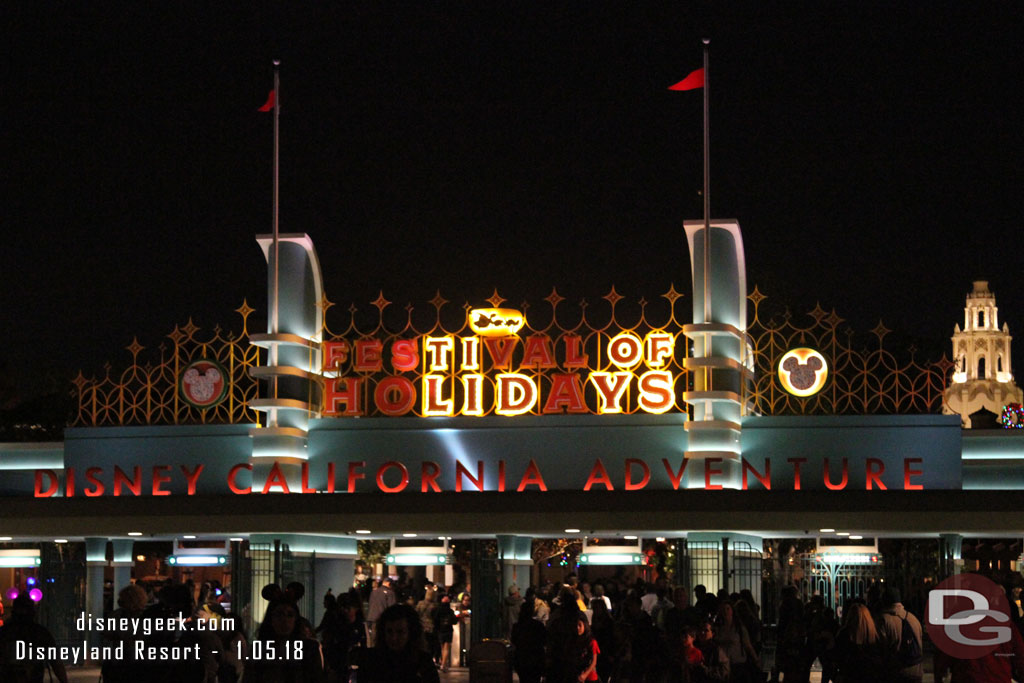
872, 155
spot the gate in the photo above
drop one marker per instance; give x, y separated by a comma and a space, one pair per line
704, 563
252, 569
703, 559
254, 565
746, 569
299, 569
838, 579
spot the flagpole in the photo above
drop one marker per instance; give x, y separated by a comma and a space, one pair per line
707, 228
274, 323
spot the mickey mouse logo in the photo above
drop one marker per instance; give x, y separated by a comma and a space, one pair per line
203, 383
803, 372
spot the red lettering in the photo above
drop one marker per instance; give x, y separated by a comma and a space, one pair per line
330, 477
192, 477
574, 357
630, 484
69, 482
908, 473
538, 352
765, 479
842, 484
675, 477
304, 485
461, 471
354, 475
276, 478
566, 392
368, 355
345, 391
710, 471
160, 476
403, 482
405, 355
796, 462
51, 488
532, 476
234, 473
501, 475
394, 396
599, 475
121, 479
655, 391
500, 350
429, 472
874, 469
335, 353
92, 475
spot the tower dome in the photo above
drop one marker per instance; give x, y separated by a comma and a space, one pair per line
982, 377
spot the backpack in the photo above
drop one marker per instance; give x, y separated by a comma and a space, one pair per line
909, 651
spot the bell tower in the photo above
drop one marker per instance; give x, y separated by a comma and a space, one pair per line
982, 376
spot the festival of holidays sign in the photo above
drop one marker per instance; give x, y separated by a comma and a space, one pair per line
495, 371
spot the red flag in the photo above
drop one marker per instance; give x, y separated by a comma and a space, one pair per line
269, 104
692, 82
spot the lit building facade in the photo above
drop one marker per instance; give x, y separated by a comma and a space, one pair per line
493, 427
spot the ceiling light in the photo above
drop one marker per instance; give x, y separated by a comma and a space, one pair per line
572, 531
409, 535
826, 531
189, 536
134, 533
237, 539
363, 531
60, 540
843, 533
856, 538
630, 538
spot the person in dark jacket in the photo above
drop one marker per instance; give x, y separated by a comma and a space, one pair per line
859, 653
400, 655
22, 626
445, 630
529, 638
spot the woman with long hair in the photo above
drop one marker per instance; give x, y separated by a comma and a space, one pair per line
585, 651
603, 628
859, 652
295, 659
400, 653
734, 640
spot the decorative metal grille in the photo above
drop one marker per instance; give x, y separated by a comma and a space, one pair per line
146, 392
862, 380
868, 381
837, 582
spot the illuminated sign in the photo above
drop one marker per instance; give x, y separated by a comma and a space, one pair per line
415, 559
203, 383
495, 322
197, 560
444, 375
612, 558
500, 475
803, 371
19, 558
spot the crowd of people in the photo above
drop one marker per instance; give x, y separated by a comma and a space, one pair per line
559, 633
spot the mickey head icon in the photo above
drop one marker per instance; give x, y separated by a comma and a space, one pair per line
803, 371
